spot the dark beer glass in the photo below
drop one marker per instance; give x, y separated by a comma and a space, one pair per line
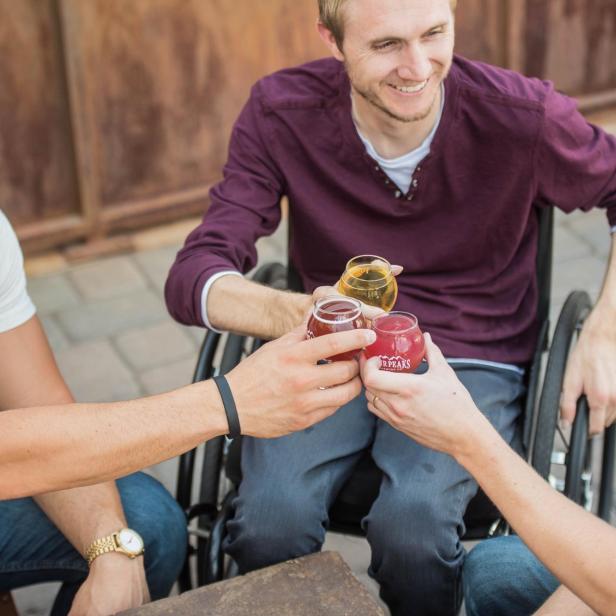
336, 314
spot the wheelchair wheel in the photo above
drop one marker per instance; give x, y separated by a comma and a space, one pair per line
569, 325
606, 491
579, 473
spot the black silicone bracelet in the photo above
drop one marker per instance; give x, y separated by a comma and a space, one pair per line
229, 403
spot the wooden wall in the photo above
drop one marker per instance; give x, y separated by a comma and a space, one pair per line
115, 114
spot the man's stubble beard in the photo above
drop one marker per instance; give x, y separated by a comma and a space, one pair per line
375, 101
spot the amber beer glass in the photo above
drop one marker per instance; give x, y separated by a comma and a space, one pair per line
369, 279
336, 314
399, 342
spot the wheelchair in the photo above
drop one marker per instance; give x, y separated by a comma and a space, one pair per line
568, 467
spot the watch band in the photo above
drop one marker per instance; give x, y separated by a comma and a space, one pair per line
114, 543
229, 405
101, 546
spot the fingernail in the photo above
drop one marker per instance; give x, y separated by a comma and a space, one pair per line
375, 361
370, 337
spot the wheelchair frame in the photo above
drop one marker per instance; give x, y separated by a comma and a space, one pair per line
539, 429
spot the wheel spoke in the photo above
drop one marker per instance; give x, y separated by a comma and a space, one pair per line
563, 438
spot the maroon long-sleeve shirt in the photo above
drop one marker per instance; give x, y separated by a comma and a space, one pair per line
466, 232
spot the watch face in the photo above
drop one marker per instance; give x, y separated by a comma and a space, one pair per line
130, 541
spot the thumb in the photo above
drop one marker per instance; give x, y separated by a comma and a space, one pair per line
433, 353
396, 269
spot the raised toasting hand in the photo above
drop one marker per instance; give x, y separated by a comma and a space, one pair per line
281, 388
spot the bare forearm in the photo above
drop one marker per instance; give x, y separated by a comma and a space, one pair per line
84, 514
53, 448
564, 603
577, 547
242, 306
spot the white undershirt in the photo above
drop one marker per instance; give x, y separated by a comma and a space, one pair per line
400, 170
16, 307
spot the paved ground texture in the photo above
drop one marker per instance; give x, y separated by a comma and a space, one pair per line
113, 339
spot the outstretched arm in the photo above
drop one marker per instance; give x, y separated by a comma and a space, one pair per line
277, 390
437, 411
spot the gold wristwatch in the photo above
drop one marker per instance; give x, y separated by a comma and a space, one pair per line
125, 541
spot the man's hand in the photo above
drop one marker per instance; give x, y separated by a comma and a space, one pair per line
281, 389
115, 583
433, 408
591, 370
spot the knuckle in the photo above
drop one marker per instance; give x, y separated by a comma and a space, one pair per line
349, 371
336, 345
406, 392
355, 388
297, 381
342, 395
397, 410
303, 405
338, 398
598, 398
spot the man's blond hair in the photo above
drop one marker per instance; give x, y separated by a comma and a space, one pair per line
330, 15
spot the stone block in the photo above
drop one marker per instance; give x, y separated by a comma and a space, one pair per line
169, 376
95, 373
113, 316
107, 278
316, 585
356, 553
156, 345
52, 293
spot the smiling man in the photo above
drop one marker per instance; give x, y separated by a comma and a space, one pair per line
397, 147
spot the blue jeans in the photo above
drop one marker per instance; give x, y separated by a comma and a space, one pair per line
32, 549
502, 577
415, 524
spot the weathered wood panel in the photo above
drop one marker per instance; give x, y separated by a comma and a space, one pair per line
572, 42
161, 82
481, 30
37, 166
116, 114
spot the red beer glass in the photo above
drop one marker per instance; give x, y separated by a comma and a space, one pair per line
399, 342
336, 314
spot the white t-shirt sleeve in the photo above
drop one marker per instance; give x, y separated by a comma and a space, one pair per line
16, 307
